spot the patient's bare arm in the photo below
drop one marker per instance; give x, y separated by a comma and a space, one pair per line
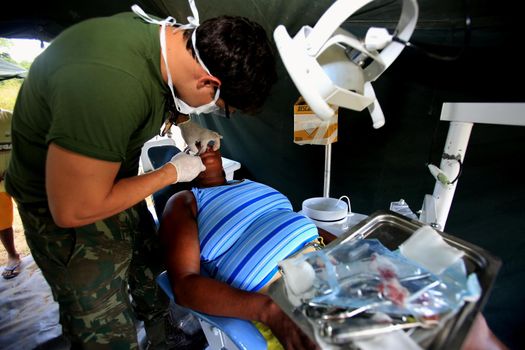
180, 241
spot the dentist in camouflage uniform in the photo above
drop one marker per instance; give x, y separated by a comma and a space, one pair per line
90, 101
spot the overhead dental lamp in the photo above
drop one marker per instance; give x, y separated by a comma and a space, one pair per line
333, 68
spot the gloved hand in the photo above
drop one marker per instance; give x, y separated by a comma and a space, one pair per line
188, 166
198, 137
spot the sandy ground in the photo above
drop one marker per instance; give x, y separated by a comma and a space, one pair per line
20, 240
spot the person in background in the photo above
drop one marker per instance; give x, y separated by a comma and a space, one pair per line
12, 269
237, 232
100, 90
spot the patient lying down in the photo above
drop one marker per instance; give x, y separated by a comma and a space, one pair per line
236, 233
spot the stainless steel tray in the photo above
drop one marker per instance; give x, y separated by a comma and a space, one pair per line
392, 229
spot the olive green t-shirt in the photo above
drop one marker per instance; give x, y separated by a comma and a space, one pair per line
97, 90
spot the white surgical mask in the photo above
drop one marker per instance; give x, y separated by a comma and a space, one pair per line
193, 23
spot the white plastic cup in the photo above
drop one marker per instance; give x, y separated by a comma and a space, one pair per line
326, 209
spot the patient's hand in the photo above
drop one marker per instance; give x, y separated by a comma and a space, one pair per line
481, 337
288, 333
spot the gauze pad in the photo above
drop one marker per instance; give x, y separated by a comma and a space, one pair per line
427, 248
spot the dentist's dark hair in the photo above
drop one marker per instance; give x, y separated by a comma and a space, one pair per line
238, 52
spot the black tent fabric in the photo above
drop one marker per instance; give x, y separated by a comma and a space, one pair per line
441, 21
9, 70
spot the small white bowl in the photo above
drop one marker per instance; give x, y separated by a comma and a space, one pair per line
325, 209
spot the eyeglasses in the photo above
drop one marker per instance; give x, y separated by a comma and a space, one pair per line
224, 111
169, 123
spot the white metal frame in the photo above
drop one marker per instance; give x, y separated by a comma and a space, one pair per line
462, 117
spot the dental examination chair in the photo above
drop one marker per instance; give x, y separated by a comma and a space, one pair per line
155, 153
220, 332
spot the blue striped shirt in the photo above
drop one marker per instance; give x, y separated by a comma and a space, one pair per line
245, 229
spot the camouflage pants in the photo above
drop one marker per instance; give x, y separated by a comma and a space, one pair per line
90, 269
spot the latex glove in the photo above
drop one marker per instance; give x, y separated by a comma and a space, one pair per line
188, 166
198, 138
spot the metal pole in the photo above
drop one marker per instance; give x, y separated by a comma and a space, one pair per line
327, 165
456, 145
462, 116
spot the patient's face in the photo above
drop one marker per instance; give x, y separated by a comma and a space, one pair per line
213, 175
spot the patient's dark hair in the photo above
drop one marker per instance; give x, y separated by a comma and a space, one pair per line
238, 52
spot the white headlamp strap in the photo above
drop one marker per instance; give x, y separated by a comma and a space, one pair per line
193, 20
140, 12
168, 21
193, 23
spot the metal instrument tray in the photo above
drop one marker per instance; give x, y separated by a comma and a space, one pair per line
392, 229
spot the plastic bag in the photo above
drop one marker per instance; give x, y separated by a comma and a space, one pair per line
183, 320
184, 331
401, 207
363, 274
